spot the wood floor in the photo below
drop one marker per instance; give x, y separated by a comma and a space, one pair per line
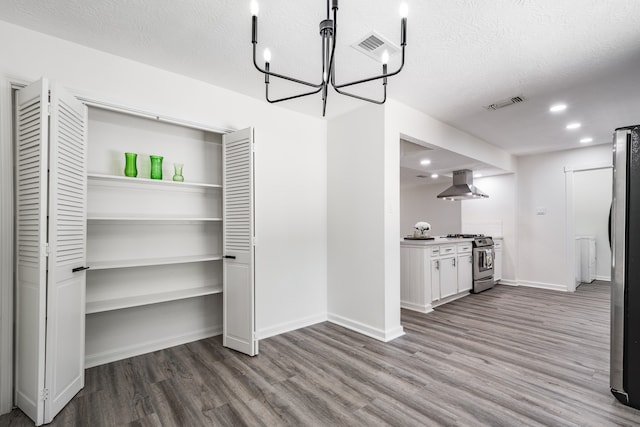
511, 356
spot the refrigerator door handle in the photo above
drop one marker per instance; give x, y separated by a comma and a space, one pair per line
618, 235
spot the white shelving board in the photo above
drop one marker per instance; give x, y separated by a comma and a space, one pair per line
136, 301
147, 181
150, 219
104, 265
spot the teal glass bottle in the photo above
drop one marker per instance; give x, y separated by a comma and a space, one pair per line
130, 164
156, 167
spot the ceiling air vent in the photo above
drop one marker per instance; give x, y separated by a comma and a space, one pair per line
506, 102
373, 44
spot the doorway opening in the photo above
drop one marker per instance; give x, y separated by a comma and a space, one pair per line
589, 192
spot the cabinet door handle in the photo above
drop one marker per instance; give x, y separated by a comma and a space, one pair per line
230, 257
454, 261
438, 265
75, 270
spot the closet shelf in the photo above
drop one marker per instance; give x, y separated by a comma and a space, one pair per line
128, 263
147, 181
136, 301
151, 219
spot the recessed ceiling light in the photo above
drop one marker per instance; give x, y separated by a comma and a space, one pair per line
434, 175
557, 108
425, 162
573, 125
585, 140
477, 175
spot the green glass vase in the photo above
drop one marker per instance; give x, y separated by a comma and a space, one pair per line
130, 167
177, 175
156, 167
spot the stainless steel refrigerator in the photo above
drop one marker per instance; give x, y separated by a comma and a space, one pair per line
625, 269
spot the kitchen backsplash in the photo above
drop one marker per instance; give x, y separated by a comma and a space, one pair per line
489, 228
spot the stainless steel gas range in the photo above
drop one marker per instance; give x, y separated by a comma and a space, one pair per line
483, 255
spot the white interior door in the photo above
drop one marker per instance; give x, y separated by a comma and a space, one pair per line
64, 368
31, 263
51, 240
238, 268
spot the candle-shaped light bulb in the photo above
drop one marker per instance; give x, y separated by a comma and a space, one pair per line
267, 55
385, 57
324, 76
254, 8
404, 10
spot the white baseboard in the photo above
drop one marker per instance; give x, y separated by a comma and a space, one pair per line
361, 328
450, 298
290, 326
92, 360
422, 308
604, 278
541, 285
507, 282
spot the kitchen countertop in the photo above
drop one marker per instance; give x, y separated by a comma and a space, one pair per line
438, 240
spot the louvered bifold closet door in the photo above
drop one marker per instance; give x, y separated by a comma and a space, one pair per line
238, 233
67, 247
51, 239
31, 130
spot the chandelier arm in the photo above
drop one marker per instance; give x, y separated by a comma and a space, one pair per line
353, 95
273, 101
381, 76
281, 76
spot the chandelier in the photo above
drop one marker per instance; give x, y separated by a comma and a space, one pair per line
329, 33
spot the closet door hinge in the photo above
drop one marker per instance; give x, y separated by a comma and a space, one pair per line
48, 109
46, 249
44, 394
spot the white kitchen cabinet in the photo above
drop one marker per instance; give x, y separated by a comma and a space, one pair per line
465, 272
497, 260
415, 279
465, 266
448, 276
433, 274
435, 281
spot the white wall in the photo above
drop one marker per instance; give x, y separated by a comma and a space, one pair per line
592, 190
290, 202
543, 258
420, 203
356, 286
498, 211
364, 208
6, 255
404, 120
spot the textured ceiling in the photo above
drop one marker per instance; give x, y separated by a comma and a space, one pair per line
461, 55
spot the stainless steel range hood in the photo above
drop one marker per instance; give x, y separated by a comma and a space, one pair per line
462, 188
